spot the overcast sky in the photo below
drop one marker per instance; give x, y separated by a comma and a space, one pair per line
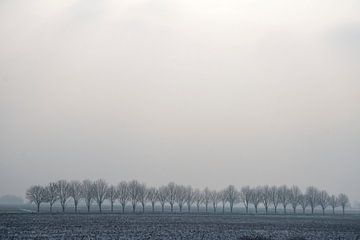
206, 92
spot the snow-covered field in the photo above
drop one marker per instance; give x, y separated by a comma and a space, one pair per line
176, 226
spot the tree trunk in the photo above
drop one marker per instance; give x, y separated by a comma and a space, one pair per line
189, 207
76, 207
294, 210
333, 211
112, 206
206, 207
143, 207
223, 208
88, 208
303, 210
123, 208
231, 207
198, 208
343, 208
153, 206
38, 207
312, 210
180, 207
275, 209
162, 207
266, 209
284, 209
63, 207
134, 207
51, 205
256, 209
323, 210
100, 207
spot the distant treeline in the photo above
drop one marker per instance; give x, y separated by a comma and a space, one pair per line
174, 195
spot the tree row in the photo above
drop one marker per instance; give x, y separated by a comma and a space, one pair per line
137, 194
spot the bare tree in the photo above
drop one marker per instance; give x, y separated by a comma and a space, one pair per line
180, 196
245, 196
198, 199
133, 190
123, 194
343, 201
206, 196
294, 197
223, 199
215, 199
256, 197
142, 195
275, 199
36, 194
112, 195
87, 192
51, 194
75, 192
312, 195
323, 200
232, 195
152, 196
189, 197
333, 202
303, 202
284, 196
170, 190
162, 197
100, 190
63, 191
266, 197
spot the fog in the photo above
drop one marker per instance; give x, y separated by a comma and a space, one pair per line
205, 92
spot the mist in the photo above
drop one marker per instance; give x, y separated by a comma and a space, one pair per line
201, 92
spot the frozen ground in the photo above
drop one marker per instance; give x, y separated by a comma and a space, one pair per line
176, 226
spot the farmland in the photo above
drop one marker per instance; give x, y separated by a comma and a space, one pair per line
176, 226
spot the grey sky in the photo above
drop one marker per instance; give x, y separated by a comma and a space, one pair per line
203, 92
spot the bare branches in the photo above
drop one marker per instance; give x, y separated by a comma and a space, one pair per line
189, 197
100, 190
162, 196
274, 197
343, 201
333, 203
266, 197
63, 188
87, 193
170, 192
75, 193
36, 194
284, 196
180, 196
256, 197
138, 193
232, 196
206, 198
294, 197
152, 196
51, 194
215, 198
112, 195
323, 200
312, 195
123, 194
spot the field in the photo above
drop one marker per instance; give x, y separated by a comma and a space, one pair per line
176, 226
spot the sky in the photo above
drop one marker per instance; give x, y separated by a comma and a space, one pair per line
200, 92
